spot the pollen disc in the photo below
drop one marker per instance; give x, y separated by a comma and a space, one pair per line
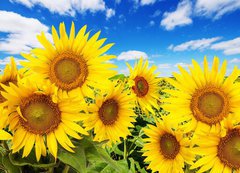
229, 149
210, 105
108, 112
40, 114
141, 86
68, 71
169, 146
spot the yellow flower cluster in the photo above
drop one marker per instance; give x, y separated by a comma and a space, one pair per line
204, 107
45, 103
64, 92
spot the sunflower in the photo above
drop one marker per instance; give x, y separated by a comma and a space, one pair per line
10, 75
204, 98
3, 122
144, 85
219, 152
111, 116
166, 149
72, 62
38, 114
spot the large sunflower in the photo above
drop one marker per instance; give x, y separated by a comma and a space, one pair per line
219, 152
167, 149
144, 83
72, 62
39, 115
204, 98
111, 116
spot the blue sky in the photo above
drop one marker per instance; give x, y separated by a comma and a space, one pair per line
167, 32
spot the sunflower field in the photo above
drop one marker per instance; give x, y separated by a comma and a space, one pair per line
68, 110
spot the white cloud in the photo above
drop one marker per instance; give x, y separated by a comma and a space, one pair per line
151, 23
215, 8
156, 13
7, 60
124, 71
110, 13
66, 7
118, 1
164, 66
147, 2
230, 47
180, 17
182, 64
121, 19
234, 60
194, 44
132, 55
21, 32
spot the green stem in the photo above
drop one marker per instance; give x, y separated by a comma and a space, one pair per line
125, 149
135, 140
66, 169
50, 170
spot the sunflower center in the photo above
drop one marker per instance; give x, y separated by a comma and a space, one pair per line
41, 115
68, 71
169, 146
229, 149
2, 99
141, 86
210, 105
108, 112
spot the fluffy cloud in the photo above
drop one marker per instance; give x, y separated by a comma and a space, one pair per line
6, 60
21, 32
66, 7
215, 8
147, 2
110, 13
156, 13
230, 47
164, 66
180, 17
234, 60
194, 44
131, 55
182, 64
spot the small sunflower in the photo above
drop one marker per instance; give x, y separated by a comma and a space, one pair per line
39, 115
204, 98
3, 122
144, 83
10, 75
219, 153
72, 62
166, 149
111, 116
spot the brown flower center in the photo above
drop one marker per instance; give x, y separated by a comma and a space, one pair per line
229, 149
68, 71
141, 86
169, 146
41, 115
210, 105
108, 112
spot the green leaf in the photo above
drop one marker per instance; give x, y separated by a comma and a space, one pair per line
45, 162
9, 167
76, 160
118, 76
